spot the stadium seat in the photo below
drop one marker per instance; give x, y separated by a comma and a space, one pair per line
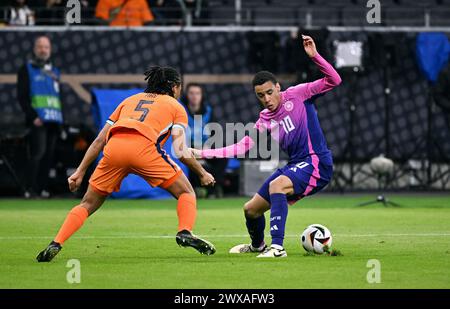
255, 3
222, 15
335, 3
354, 16
389, 3
413, 3
404, 16
290, 3
279, 17
214, 3
322, 17
440, 17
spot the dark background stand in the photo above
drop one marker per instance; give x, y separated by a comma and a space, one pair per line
385, 57
351, 75
5, 144
381, 198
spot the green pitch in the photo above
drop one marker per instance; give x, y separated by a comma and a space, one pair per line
131, 244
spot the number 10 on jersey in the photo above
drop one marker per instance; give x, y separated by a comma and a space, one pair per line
287, 124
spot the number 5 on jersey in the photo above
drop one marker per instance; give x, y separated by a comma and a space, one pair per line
144, 110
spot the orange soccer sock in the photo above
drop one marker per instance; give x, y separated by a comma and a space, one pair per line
186, 211
74, 220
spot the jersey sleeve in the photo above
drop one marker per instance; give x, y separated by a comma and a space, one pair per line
257, 125
115, 115
308, 90
180, 118
301, 91
260, 125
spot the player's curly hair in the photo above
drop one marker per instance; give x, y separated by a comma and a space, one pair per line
263, 76
161, 80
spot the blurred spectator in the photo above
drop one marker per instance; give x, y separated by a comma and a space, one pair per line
50, 12
124, 12
197, 107
198, 10
19, 14
441, 92
39, 97
88, 12
167, 12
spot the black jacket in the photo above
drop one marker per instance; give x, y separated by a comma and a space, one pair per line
441, 91
23, 95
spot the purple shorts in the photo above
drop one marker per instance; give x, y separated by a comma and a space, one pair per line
308, 176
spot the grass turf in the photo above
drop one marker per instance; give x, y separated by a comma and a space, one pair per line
130, 244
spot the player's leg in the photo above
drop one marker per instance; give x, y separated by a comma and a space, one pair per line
255, 221
180, 187
74, 220
182, 190
52, 133
295, 182
36, 146
107, 177
279, 188
254, 218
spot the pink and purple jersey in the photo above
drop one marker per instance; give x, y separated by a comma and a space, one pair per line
295, 124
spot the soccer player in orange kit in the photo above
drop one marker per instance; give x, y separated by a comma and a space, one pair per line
132, 141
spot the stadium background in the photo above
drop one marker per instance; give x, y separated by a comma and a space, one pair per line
130, 243
224, 58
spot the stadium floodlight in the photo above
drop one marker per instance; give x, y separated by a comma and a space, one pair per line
348, 54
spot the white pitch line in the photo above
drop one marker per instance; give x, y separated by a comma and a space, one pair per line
225, 236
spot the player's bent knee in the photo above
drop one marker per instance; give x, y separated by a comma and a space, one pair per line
92, 201
187, 188
190, 193
181, 186
281, 184
251, 211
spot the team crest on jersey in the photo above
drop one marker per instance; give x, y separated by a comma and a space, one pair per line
288, 105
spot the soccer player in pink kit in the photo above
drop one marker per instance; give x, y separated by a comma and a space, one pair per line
291, 118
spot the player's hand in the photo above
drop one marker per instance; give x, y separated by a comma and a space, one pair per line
309, 45
38, 122
75, 181
207, 180
196, 153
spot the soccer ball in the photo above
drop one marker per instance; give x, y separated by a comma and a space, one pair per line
316, 238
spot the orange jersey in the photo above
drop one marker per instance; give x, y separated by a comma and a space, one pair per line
124, 12
141, 124
152, 115
130, 152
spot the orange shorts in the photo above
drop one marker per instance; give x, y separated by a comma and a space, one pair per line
128, 152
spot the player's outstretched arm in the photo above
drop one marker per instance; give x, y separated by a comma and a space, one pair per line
187, 157
331, 79
328, 82
91, 154
240, 148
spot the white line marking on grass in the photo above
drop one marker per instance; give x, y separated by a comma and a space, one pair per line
224, 236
